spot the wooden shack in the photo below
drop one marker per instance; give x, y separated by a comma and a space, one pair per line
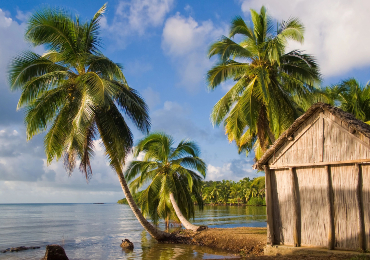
318, 182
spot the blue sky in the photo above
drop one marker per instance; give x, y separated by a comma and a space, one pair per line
162, 45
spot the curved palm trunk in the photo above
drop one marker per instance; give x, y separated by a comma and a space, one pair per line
154, 232
181, 217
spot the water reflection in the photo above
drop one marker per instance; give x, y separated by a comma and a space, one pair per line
157, 251
231, 216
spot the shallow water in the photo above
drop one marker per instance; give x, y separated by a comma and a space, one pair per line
94, 231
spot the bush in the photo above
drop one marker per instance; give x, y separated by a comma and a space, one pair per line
256, 202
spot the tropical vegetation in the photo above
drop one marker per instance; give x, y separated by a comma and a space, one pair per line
271, 85
226, 192
173, 175
350, 96
78, 95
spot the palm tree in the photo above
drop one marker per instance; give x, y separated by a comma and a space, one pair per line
224, 192
77, 95
236, 191
269, 81
174, 175
351, 97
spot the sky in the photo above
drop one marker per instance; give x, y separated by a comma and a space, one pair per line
163, 45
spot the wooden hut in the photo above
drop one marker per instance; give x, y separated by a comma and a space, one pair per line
318, 182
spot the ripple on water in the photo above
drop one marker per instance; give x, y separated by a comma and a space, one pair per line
94, 231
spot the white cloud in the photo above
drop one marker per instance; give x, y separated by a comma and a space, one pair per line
336, 31
135, 16
235, 170
22, 16
23, 170
186, 41
12, 43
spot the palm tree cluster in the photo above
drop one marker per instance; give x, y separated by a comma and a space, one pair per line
79, 96
225, 192
350, 96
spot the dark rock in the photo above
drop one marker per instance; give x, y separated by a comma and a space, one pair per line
202, 228
20, 248
55, 252
127, 244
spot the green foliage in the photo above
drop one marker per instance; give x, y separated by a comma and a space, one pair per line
74, 92
230, 192
255, 201
350, 96
167, 169
271, 85
135, 196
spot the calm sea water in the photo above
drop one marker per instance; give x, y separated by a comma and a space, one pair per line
94, 231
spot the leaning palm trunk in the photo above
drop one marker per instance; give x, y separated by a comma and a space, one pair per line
181, 217
154, 232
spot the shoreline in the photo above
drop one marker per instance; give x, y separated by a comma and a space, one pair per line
249, 242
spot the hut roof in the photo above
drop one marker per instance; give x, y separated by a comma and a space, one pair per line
350, 119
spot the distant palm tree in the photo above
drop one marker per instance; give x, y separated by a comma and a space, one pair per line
77, 95
269, 81
174, 175
351, 97
224, 191
236, 191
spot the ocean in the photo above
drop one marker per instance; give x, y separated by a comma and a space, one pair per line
95, 231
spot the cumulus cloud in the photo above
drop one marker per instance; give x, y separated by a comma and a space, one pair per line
235, 170
135, 17
11, 43
336, 31
186, 41
24, 163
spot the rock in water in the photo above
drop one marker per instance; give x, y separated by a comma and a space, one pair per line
55, 252
127, 244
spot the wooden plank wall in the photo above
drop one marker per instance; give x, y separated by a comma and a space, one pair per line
281, 190
306, 143
351, 148
314, 205
317, 140
322, 138
366, 201
345, 206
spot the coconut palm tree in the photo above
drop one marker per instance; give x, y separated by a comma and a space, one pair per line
236, 191
268, 80
174, 175
352, 97
77, 95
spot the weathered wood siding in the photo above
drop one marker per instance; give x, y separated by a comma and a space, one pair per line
340, 144
344, 182
303, 148
322, 138
281, 189
366, 200
314, 205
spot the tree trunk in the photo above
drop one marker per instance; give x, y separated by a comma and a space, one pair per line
154, 232
181, 217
